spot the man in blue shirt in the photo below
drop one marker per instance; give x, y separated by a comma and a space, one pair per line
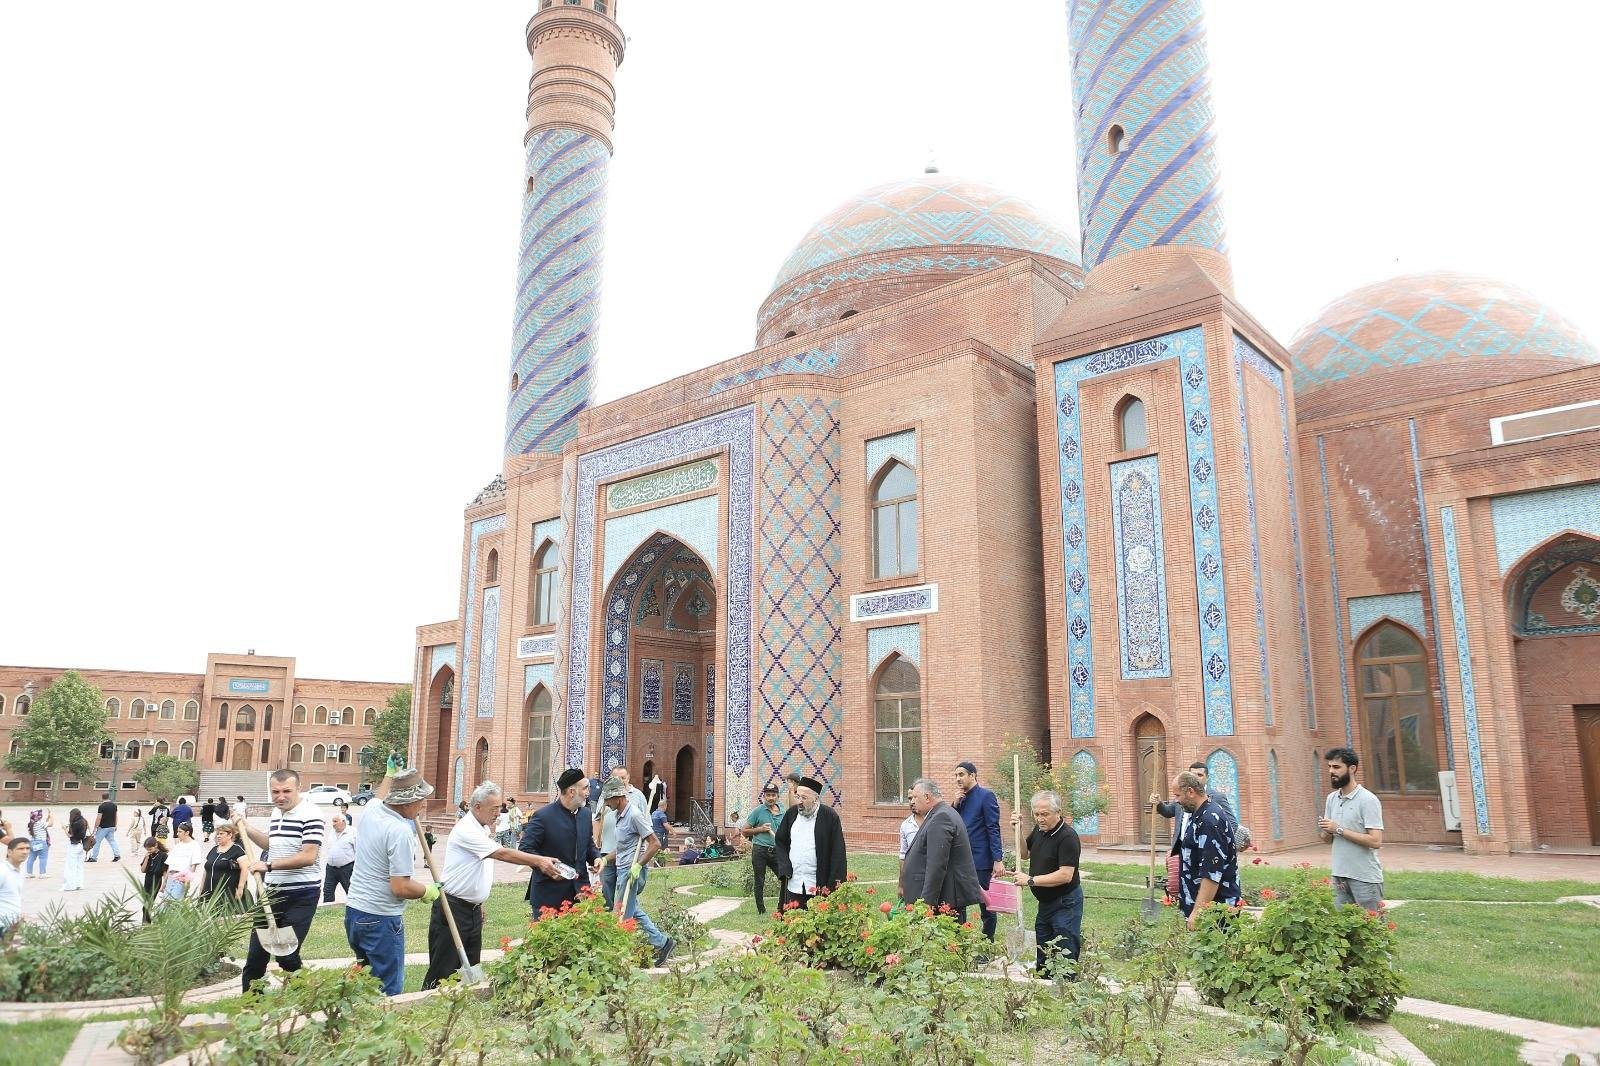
1209, 863
980, 810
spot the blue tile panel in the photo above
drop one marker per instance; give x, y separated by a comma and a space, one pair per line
1141, 568
735, 431
905, 640
1401, 606
558, 290
1255, 531
1469, 691
711, 695
1142, 65
1222, 774
846, 273
901, 446
1528, 519
482, 526
814, 361
1087, 772
459, 780
1579, 606
682, 694
1342, 648
536, 675
1272, 788
549, 529
802, 603
1188, 348
532, 647
1433, 600
488, 646
894, 603
650, 681
695, 523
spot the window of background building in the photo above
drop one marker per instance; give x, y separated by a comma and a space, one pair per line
899, 730
491, 570
369, 716
299, 714
136, 709
131, 752
163, 748
319, 754
266, 719
347, 716
222, 747
266, 746
169, 711
1132, 430
894, 522
113, 707
541, 711
107, 749
24, 705
544, 585
321, 716
1397, 713
2, 705
186, 750
222, 716
245, 720
297, 754
191, 711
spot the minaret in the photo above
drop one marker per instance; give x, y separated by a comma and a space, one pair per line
1147, 164
576, 47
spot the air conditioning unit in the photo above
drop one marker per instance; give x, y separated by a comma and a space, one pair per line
334, 718
1452, 802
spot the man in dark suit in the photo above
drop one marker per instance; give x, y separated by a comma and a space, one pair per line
1171, 809
562, 830
938, 868
810, 854
980, 811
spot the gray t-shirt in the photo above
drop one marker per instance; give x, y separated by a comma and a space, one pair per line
385, 848
632, 827
608, 821
1358, 812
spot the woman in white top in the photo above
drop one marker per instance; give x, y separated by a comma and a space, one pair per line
502, 826
184, 855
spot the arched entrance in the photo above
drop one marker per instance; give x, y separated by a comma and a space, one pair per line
1150, 753
241, 755
441, 705
661, 657
483, 762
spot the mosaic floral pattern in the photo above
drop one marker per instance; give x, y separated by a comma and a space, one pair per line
682, 694
924, 599
469, 630
1469, 691
885, 641
1087, 772
1141, 567
1333, 571
488, 661
1222, 774
650, 682
814, 361
662, 485
1582, 597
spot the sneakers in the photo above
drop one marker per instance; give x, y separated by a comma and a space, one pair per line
91, 859
664, 952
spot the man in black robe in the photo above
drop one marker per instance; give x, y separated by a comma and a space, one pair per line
562, 830
810, 852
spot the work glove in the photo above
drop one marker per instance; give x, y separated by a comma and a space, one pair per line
635, 870
395, 765
432, 893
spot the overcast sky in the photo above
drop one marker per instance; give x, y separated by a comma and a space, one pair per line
257, 260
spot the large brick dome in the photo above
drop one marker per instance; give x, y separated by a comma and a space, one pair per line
1425, 335
906, 235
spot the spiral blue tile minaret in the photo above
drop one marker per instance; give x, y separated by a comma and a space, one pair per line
1147, 164
576, 48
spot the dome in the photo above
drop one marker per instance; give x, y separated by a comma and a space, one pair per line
933, 224
1426, 335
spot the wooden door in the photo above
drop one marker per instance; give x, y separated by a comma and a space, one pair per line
241, 755
682, 785
1589, 755
1150, 739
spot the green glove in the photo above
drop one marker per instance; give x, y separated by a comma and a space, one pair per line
432, 893
635, 870
396, 764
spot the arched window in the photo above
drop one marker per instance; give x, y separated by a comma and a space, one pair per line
899, 730
321, 716
1397, 713
1114, 137
344, 753
266, 720
222, 716
24, 705
369, 716
163, 748
541, 712
894, 522
135, 709
483, 759
847, 314
544, 585
297, 754
266, 746
347, 716
113, 707
491, 571
131, 751
245, 720
791, 333
169, 711
191, 711
107, 749
299, 714
1132, 431
16, 745
515, 380
186, 750
319, 754
3, 704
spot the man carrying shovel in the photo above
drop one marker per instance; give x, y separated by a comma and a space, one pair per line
469, 855
636, 845
293, 872
382, 882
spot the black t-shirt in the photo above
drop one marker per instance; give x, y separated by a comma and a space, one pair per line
1049, 852
108, 815
222, 808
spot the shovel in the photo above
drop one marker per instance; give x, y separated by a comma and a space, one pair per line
276, 940
470, 974
1149, 909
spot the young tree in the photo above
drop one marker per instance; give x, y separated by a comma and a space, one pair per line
62, 732
392, 733
168, 777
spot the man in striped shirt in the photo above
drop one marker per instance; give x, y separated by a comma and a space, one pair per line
293, 868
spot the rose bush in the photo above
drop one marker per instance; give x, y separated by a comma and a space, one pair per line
852, 928
582, 947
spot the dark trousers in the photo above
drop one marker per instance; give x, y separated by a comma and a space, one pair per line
763, 858
336, 876
785, 897
443, 959
1058, 928
990, 918
294, 910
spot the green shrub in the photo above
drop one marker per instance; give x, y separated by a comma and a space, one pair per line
54, 959
829, 932
919, 933
676, 921
1303, 953
577, 952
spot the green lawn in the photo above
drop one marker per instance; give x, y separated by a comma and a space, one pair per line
36, 1043
1448, 1044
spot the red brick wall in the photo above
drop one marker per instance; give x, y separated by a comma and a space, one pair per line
1554, 674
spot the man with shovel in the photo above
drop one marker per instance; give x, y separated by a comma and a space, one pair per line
293, 872
469, 855
636, 845
382, 882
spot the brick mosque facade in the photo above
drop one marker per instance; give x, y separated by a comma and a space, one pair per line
983, 476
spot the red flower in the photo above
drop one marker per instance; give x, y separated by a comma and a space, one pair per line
871, 950
630, 924
791, 905
885, 907
872, 892
1391, 927
891, 959
865, 934
1267, 893
783, 940
951, 947
966, 925
505, 943
756, 939
822, 890
1168, 901
1255, 862
860, 907
944, 908
822, 905
850, 876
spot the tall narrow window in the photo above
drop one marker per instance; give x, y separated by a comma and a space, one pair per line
3, 706
322, 716
347, 716
319, 753
162, 748
107, 748
135, 709
899, 730
222, 717
894, 522
245, 721
113, 707
1132, 431
222, 749
344, 753
169, 711
491, 572
369, 716
186, 751
297, 754
1397, 712
266, 720
544, 585
299, 714
1114, 138
191, 711
483, 759
540, 708
24, 705
131, 753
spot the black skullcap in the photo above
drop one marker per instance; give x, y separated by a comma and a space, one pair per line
812, 783
968, 767
569, 777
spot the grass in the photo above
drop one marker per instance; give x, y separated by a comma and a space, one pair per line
32, 1043
1447, 1043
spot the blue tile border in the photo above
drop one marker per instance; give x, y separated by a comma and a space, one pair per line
1343, 648
1141, 569
1087, 771
1469, 693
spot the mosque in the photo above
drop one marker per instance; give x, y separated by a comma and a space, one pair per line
982, 475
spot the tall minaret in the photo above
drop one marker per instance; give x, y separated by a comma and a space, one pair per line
576, 47
1147, 164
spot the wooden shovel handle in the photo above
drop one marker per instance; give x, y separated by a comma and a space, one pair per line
449, 915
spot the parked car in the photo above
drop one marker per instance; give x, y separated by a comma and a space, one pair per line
328, 795
363, 796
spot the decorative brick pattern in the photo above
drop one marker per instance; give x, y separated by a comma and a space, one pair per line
895, 603
1141, 568
650, 682
1401, 606
469, 632
816, 284
905, 640
662, 485
1527, 519
1469, 691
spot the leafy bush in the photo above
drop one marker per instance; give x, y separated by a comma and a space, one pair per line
919, 933
676, 921
1303, 953
577, 952
54, 959
1081, 793
828, 933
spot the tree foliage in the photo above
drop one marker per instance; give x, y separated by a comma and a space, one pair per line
1081, 794
63, 730
392, 733
168, 777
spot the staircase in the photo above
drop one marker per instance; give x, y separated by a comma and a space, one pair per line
251, 784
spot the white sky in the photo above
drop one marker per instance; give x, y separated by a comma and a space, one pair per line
257, 260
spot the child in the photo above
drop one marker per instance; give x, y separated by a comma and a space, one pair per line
154, 866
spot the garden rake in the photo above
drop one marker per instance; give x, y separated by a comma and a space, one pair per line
471, 974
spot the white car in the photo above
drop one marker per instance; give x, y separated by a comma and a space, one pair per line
328, 795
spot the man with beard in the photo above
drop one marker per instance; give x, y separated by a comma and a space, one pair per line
980, 811
562, 829
810, 852
1208, 869
1352, 820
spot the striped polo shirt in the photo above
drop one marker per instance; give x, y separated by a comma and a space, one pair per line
287, 833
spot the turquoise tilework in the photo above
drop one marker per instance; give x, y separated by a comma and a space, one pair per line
1087, 772
901, 446
549, 529
1333, 570
1401, 606
1469, 691
693, 522
1140, 561
1272, 790
1528, 519
469, 646
814, 361
1222, 774
538, 674
815, 284
887, 640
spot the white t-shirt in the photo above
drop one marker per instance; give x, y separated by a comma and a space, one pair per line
468, 873
184, 856
502, 823
803, 851
10, 893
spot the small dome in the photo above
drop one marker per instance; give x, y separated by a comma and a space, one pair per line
1426, 335
916, 228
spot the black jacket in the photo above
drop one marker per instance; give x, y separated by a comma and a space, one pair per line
832, 863
567, 836
939, 867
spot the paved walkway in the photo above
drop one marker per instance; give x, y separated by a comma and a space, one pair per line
1420, 858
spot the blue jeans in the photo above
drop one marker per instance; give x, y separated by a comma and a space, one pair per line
379, 941
608, 884
40, 850
635, 911
100, 837
1058, 928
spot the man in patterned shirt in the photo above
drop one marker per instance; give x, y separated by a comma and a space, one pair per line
1209, 860
293, 867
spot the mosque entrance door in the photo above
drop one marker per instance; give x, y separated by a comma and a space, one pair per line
241, 755
1150, 748
1589, 755
441, 700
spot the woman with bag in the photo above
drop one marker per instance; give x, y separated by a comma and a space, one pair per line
154, 867
222, 879
77, 845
